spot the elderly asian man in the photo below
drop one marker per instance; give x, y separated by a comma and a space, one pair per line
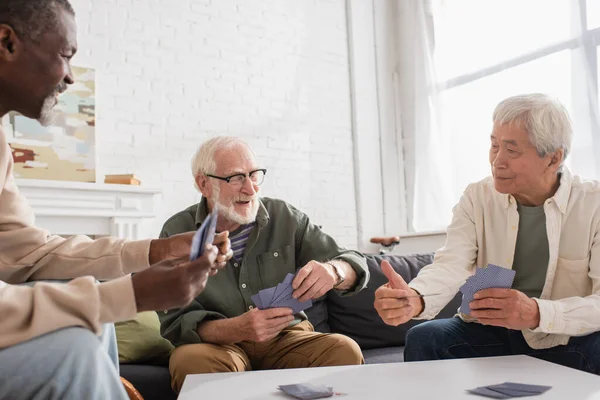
533, 216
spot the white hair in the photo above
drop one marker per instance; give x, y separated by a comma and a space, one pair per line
203, 161
545, 119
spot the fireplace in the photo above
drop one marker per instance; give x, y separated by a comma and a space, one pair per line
94, 209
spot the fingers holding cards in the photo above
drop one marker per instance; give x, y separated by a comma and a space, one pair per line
280, 296
205, 235
222, 241
491, 277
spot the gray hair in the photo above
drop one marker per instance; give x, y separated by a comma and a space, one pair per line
545, 119
32, 18
203, 161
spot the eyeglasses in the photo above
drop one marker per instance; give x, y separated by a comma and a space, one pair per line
257, 177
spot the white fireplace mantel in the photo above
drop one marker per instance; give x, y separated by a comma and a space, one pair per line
73, 208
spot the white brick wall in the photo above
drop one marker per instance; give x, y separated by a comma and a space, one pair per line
172, 73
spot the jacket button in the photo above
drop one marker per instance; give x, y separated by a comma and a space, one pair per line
276, 254
243, 286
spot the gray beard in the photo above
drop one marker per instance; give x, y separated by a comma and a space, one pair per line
47, 113
229, 213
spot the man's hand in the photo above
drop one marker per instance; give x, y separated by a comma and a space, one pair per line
176, 246
508, 308
172, 283
225, 253
391, 302
263, 325
179, 246
313, 281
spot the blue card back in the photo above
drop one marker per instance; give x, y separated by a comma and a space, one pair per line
205, 234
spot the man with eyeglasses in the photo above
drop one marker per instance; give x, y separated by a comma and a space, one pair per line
222, 330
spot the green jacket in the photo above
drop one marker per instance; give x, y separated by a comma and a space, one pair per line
282, 242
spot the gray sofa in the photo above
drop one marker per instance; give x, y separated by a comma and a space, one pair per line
352, 316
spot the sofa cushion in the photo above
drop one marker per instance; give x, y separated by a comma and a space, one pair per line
318, 315
139, 340
384, 355
356, 317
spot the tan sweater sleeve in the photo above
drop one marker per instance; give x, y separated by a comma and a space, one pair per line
31, 253
27, 312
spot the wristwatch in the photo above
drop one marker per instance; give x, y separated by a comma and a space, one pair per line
341, 277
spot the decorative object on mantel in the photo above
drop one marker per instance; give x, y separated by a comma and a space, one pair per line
64, 151
126, 179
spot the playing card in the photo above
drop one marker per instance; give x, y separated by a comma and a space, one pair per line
512, 392
256, 299
501, 277
284, 287
491, 277
419, 295
464, 305
482, 275
520, 387
468, 292
205, 234
280, 296
307, 391
212, 228
294, 304
266, 296
285, 296
484, 391
195, 250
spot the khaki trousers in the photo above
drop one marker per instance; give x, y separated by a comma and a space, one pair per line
298, 346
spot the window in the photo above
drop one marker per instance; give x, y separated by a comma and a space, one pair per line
485, 51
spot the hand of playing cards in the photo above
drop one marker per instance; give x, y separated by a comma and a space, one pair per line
307, 391
509, 390
491, 277
204, 235
280, 296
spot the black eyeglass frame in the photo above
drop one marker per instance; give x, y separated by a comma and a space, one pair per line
244, 176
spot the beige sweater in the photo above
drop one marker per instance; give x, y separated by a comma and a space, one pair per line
29, 253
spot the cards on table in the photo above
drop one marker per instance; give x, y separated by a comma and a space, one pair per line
492, 276
280, 296
307, 391
509, 390
205, 234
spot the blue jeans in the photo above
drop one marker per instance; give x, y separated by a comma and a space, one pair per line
70, 363
453, 338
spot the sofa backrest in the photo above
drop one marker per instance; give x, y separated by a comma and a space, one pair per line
356, 317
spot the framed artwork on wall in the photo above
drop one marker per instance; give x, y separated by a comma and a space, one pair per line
65, 150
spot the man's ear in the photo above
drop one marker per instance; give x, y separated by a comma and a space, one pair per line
203, 185
9, 43
556, 159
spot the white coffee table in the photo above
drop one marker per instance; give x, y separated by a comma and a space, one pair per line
448, 379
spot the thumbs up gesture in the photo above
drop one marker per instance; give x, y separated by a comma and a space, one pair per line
391, 301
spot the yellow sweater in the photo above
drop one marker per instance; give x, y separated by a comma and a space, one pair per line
30, 253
